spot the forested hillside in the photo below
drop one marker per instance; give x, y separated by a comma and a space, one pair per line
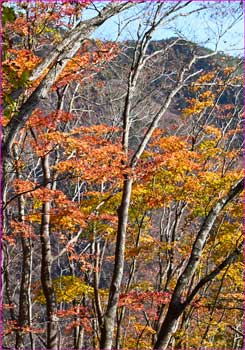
122, 178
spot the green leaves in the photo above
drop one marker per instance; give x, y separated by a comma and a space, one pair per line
8, 15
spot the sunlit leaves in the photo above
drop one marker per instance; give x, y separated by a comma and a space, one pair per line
17, 67
137, 299
94, 158
87, 62
176, 183
67, 289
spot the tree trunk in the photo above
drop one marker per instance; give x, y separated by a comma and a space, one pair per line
169, 325
177, 306
46, 263
24, 299
132, 270
24, 317
109, 317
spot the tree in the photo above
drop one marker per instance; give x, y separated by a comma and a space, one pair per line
83, 199
46, 74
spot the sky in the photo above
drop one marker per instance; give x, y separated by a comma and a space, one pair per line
203, 28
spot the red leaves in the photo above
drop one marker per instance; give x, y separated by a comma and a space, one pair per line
84, 322
78, 311
136, 300
80, 315
87, 62
23, 186
47, 123
34, 190
23, 229
11, 241
7, 306
12, 326
95, 158
45, 194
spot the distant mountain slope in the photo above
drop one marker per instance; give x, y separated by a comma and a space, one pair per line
155, 82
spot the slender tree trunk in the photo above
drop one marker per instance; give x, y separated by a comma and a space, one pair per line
96, 277
78, 332
24, 299
6, 282
24, 317
110, 315
129, 283
79, 338
46, 263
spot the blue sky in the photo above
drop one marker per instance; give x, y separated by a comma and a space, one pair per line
200, 28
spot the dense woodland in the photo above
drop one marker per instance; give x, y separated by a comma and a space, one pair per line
122, 179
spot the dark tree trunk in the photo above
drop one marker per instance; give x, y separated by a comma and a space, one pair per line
168, 326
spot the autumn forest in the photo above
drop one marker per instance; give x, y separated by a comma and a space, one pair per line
122, 175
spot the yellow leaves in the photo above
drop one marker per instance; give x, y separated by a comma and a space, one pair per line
196, 106
229, 234
67, 216
213, 131
139, 191
146, 248
143, 328
64, 222
147, 239
206, 95
175, 173
109, 232
206, 77
34, 218
143, 285
131, 343
171, 144
205, 98
192, 337
67, 289
234, 274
